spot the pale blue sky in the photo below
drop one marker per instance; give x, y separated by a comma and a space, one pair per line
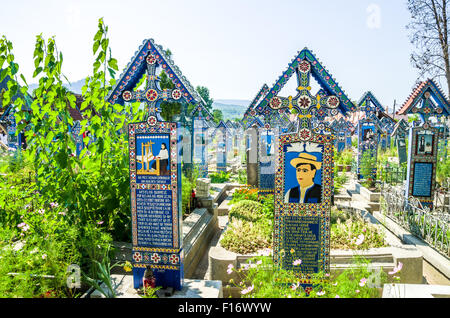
232, 47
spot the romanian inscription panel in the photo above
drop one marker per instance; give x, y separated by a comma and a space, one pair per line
302, 241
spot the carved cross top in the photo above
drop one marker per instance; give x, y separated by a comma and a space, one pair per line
153, 95
307, 105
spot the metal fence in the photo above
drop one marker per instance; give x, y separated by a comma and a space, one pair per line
392, 175
431, 226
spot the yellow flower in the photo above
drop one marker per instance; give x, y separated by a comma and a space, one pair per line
292, 251
127, 267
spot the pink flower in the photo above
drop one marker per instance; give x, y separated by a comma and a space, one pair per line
327, 274
230, 268
53, 204
297, 262
62, 213
362, 282
100, 222
337, 296
295, 286
396, 269
357, 291
247, 290
41, 211
23, 226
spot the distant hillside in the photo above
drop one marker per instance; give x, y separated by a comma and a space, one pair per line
231, 108
74, 87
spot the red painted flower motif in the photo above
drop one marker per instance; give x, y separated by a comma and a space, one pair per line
127, 96
305, 134
174, 259
333, 102
151, 59
275, 102
152, 120
155, 258
304, 102
176, 94
137, 257
151, 95
304, 66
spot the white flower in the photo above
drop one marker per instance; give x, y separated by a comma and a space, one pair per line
360, 239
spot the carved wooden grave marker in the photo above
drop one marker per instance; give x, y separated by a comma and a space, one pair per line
221, 133
201, 119
399, 134
303, 181
155, 169
369, 131
427, 100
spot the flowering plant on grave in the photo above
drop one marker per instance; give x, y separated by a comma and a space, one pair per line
259, 278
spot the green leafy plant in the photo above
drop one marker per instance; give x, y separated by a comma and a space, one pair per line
219, 177
246, 210
74, 203
368, 165
102, 281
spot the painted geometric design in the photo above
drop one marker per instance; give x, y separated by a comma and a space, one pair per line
151, 95
328, 84
150, 53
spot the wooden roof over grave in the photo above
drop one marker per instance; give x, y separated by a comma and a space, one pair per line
138, 66
417, 98
229, 124
388, 123
5, 109
200, 112
341, 124
373, 119
255, 121
319, 73
221, 125
401, 125
365, 100
261, 93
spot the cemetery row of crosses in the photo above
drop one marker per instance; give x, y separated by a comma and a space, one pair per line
286, 151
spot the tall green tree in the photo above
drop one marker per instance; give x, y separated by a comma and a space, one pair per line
204, 93
218, 116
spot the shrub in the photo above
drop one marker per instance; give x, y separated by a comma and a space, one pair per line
244, 237
353, 232
246, 210
219, 177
